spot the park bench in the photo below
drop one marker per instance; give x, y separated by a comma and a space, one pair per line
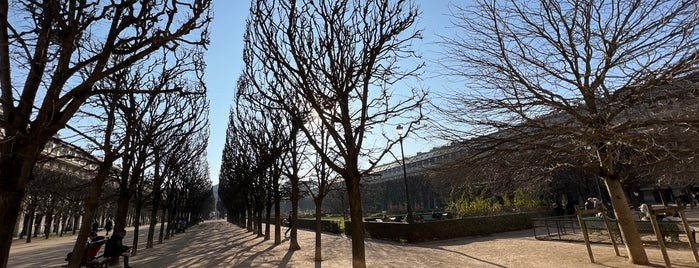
100, 261
671, 229
91, 259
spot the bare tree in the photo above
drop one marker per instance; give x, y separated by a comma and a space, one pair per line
291, 168
250, 126
276, 174
121, 124
233, 188
58, 50
240, 173
177, 146
171, 122
269, 139
176, 99
155, 117
188, 188
196, 187
575, 84
104, 139
51, 186
321, 184
338, 59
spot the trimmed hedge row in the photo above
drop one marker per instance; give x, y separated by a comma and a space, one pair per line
326, 226
446, 229
432, 230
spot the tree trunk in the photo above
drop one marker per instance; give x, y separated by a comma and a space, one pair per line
319, 209
57, 224
250, 219
122, 211
137, 189
47, 223
157, 184
37, 224
64, 220
357, 222
242, 218
268, 216
163, 214
277, 214
30, 227
629, 233
152, 223
294, 244
170, 208
25, 224
16, 164
91, 204
171, 223
136, 224
258, 223
9, 211
76, 221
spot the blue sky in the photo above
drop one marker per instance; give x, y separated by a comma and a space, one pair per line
224, 65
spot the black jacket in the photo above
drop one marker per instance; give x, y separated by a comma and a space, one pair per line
115, 246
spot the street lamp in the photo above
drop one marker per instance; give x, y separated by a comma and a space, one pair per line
399, 130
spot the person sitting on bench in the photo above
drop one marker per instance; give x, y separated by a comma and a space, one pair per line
115, 247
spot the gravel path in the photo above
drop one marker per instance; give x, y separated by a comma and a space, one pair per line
221, 244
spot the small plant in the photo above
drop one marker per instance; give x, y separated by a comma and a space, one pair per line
525, 202
469, 204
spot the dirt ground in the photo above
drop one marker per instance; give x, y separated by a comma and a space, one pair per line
221, 244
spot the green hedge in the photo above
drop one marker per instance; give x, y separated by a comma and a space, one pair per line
326, 226
446, 229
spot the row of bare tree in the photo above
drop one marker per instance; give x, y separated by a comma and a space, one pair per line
601, 89
322, 76
56, 199
125, 77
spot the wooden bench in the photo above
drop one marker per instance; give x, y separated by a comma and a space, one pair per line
91, 259
99, 261
672, 229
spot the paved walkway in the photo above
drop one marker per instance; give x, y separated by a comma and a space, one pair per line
220, 244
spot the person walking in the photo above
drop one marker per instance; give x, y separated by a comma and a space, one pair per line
108, 226
289, 221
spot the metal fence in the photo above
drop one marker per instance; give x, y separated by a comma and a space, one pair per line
567, 228
563, 228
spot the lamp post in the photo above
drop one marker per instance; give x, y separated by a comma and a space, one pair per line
399, 130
